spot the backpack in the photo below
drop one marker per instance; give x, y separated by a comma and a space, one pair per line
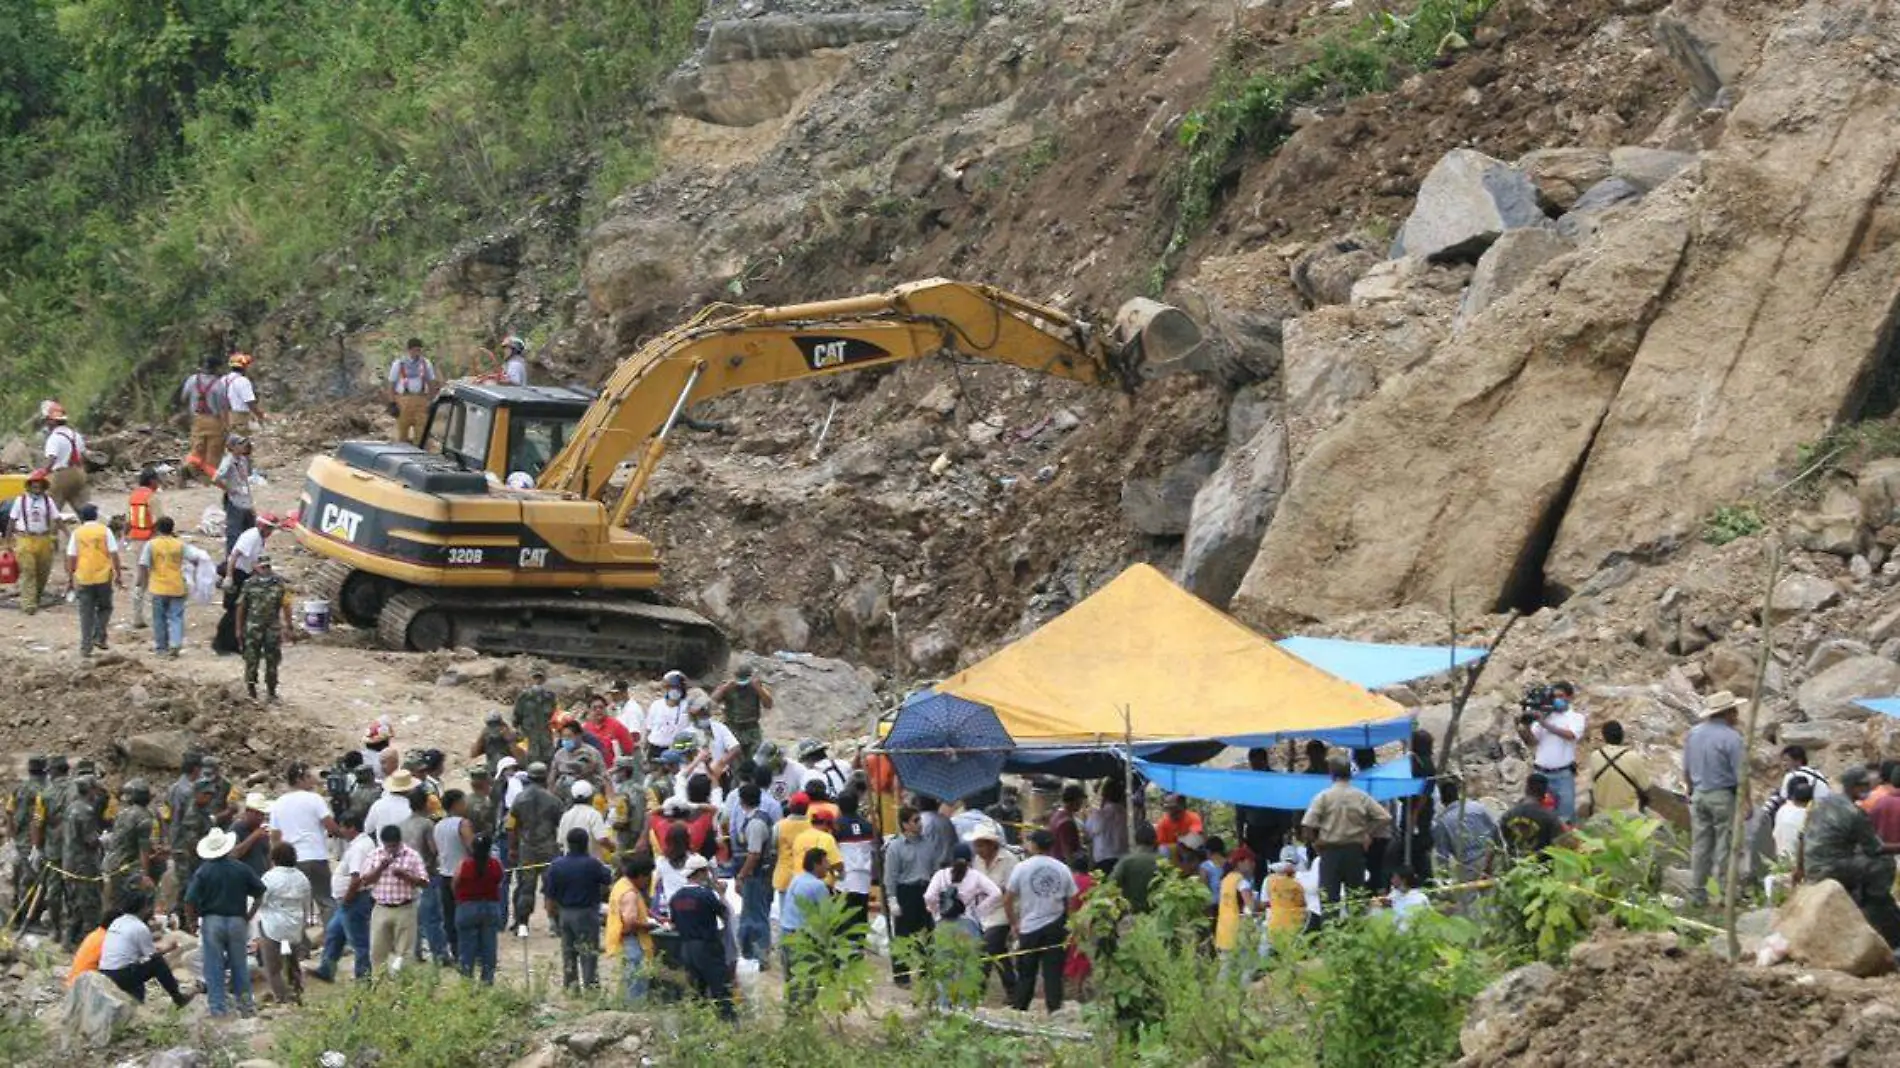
768, 855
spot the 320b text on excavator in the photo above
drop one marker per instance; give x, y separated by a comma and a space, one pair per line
506, 530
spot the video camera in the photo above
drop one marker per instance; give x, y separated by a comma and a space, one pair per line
1538, 698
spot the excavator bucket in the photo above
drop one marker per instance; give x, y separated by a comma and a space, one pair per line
1159, 339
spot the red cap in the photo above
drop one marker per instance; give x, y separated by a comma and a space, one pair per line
799, 798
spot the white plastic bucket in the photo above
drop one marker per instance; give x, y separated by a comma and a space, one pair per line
316, 616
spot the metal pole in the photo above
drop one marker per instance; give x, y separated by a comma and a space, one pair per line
1731, 873
819, 445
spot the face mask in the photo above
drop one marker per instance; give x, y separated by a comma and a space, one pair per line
567, 743
702, 722
1560, 704
675, 696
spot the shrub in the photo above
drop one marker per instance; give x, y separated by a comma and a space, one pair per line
418, 1018
1732, 521
1394, 996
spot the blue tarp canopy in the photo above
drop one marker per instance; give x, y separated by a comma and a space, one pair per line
1278, 789
1886, 706
1375, 665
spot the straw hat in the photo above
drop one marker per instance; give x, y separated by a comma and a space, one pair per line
400, 781
1719, 702
257, 802
216, 844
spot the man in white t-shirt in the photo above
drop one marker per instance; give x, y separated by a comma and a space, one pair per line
303, 818
582, 813
1552, 730
131, 957
1037, 903
350, 925
514, 368
666, 716
240, 395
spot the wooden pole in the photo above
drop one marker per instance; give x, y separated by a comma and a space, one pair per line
1731, 872
1128, 770
1461, 696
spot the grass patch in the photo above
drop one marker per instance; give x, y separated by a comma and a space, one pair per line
1248, 112
1732, 521
419, 1018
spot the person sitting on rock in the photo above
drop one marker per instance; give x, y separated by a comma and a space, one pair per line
1840, 843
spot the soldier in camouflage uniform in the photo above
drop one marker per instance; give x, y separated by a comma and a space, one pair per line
225, 799
59, 791
482, 800
263, 618
1839, 843
190, 826
365, 792
132, 852
534, 711
83, 855
627, 812
497, 741
532, 825
23, 808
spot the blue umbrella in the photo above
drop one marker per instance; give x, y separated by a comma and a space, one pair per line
947, 747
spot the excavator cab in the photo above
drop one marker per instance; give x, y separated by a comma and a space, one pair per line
503, 429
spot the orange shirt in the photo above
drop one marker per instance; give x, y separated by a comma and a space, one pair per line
1167, 831
87, 959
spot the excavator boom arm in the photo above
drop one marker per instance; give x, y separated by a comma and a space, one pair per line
726, 349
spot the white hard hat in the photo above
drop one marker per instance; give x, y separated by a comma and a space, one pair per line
582, 789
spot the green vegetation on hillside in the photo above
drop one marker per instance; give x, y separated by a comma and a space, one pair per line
1249, 111
171, 169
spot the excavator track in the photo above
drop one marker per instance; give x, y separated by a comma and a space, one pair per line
608, 632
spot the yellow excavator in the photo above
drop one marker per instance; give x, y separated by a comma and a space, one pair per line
506, 530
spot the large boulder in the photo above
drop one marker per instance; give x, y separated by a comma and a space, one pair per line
1465, 202
1497, 1005
163, 750
1508, 264
814, 696
1825, 929
92, 1013
1160, 506
1830, 695
1231, 512
754, 70
1712, 400
1647, 168
1800, 594
1878, 486
1562, 175
1406, 499
1325, 273
1710, 48
1337, 357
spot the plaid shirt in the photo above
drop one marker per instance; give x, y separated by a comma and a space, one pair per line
389, 888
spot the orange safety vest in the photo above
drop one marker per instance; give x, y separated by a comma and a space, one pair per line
141, 522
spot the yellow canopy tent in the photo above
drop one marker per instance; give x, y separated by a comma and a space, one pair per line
1181, 668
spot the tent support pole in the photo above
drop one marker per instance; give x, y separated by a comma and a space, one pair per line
1733, 861
1128, 770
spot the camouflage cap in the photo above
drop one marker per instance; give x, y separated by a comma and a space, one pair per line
494, 717
35, 765
133, 785
85, 767
57, 762
82, 783
537, 770
478, 772
204, 785
210, 761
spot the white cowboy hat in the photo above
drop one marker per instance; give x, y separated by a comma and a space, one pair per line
400, 781
696, 864
1719, 702
257, 802
216, 844
985, 832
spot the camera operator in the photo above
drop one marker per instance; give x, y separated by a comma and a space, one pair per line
1551, 727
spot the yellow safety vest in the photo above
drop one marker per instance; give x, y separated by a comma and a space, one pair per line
166, 576
95, 559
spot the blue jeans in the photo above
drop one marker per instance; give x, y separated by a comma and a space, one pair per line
429, 919
349, 923
755, 917
477, 925
1563, 787
633, 971
224, 941
168, 623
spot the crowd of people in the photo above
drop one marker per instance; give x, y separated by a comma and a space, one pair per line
673, 837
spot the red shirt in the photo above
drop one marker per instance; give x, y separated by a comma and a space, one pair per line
1068, 836
614, 737
1167, 831
471, 885
1886, 817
